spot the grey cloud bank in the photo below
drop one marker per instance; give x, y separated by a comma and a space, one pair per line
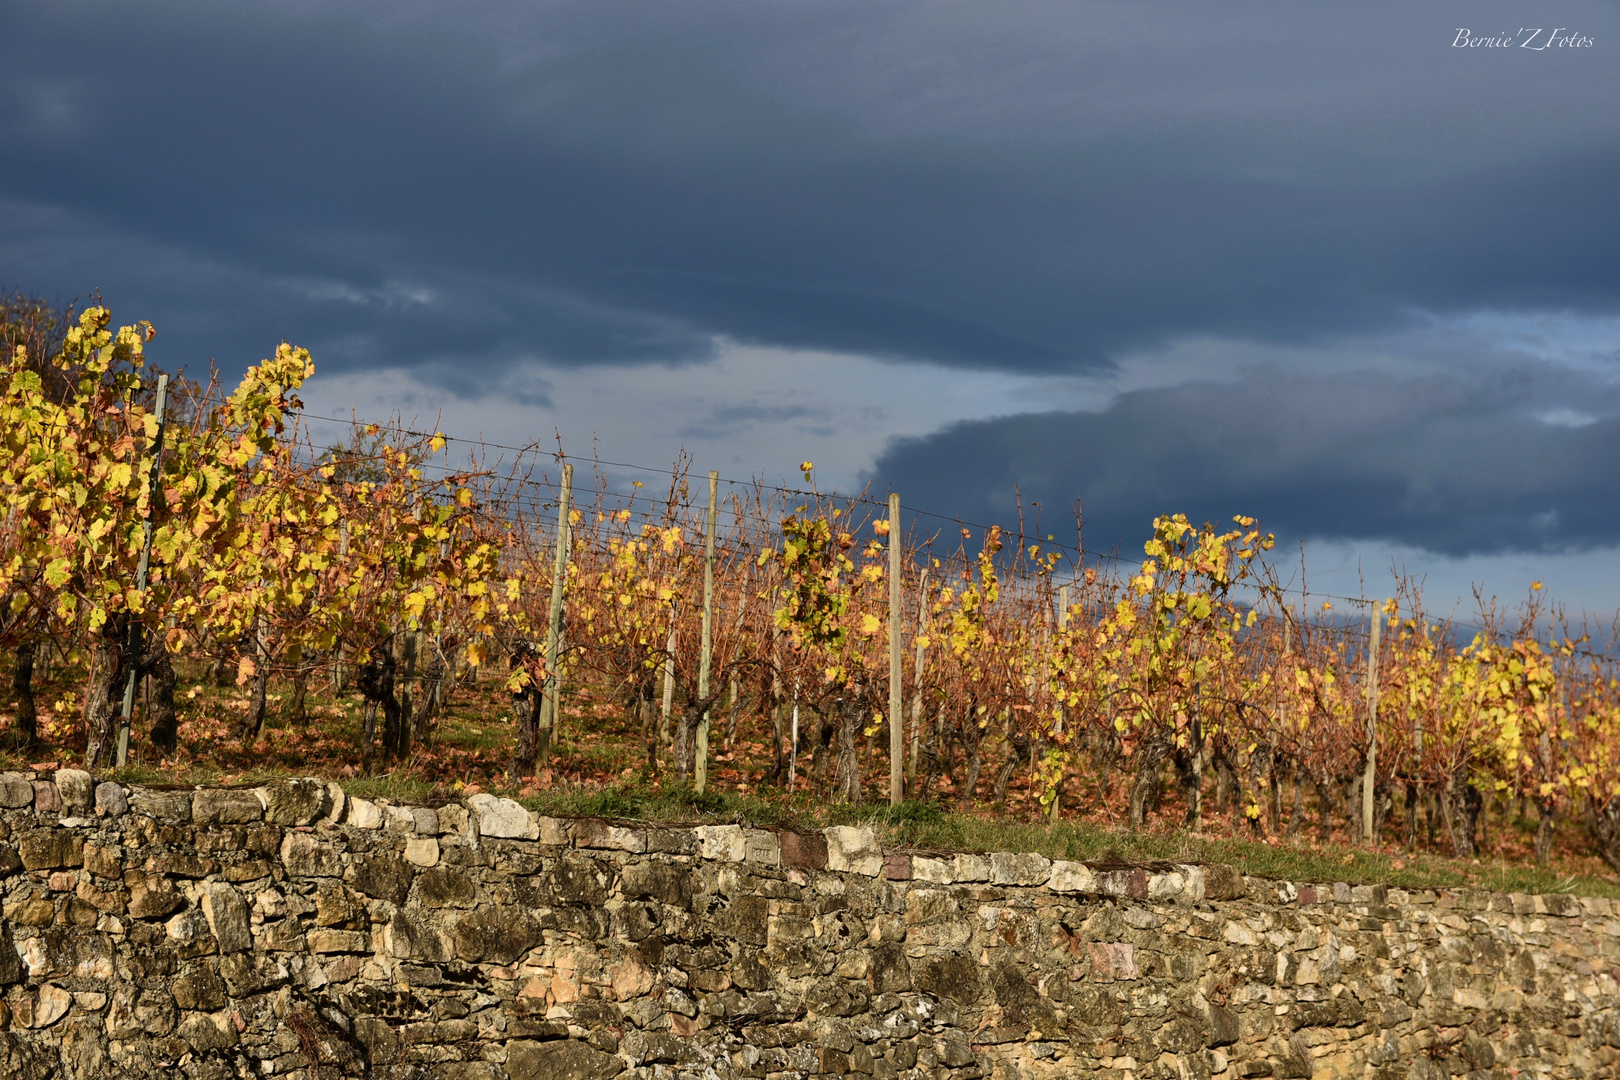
1440, 463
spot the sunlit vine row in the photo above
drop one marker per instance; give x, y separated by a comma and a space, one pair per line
383, 562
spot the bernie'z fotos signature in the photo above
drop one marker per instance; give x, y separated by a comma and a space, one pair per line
1534, 38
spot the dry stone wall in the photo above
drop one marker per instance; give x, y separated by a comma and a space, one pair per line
289, 931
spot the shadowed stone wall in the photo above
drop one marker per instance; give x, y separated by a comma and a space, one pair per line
290, 931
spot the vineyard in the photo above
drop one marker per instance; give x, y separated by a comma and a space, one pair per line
165, 549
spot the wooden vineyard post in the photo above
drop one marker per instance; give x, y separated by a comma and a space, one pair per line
776, 699
1282, 719
1416, 717
793, 742
897, 756
559, 574
134, 644
916, 680
1057, 719
702, 765
1372, 725
669, 679
732, 709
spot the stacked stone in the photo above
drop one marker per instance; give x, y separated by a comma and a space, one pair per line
291, 930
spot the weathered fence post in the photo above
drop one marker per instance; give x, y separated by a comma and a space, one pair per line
1057, 720
559, 575
793, 745
702, 769
897, 755
1371, 774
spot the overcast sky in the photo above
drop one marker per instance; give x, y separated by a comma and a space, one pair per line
1328, 265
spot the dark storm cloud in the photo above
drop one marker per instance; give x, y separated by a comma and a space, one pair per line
461, 329
1453, 465
1036, 187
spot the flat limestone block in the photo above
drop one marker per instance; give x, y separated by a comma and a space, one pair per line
761, 846
561, 1059
596, 833
557, 832
853, 850
503, 817
1072, 877
363, 814
293, 802
16, 790
305, 856
1007, 868
398, 819
1172, 886
724, 842
221, 806
971, 868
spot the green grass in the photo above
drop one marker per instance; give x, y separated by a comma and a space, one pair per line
396, 789
928, 827
673, 804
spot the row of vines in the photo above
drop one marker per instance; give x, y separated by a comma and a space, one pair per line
399, 564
